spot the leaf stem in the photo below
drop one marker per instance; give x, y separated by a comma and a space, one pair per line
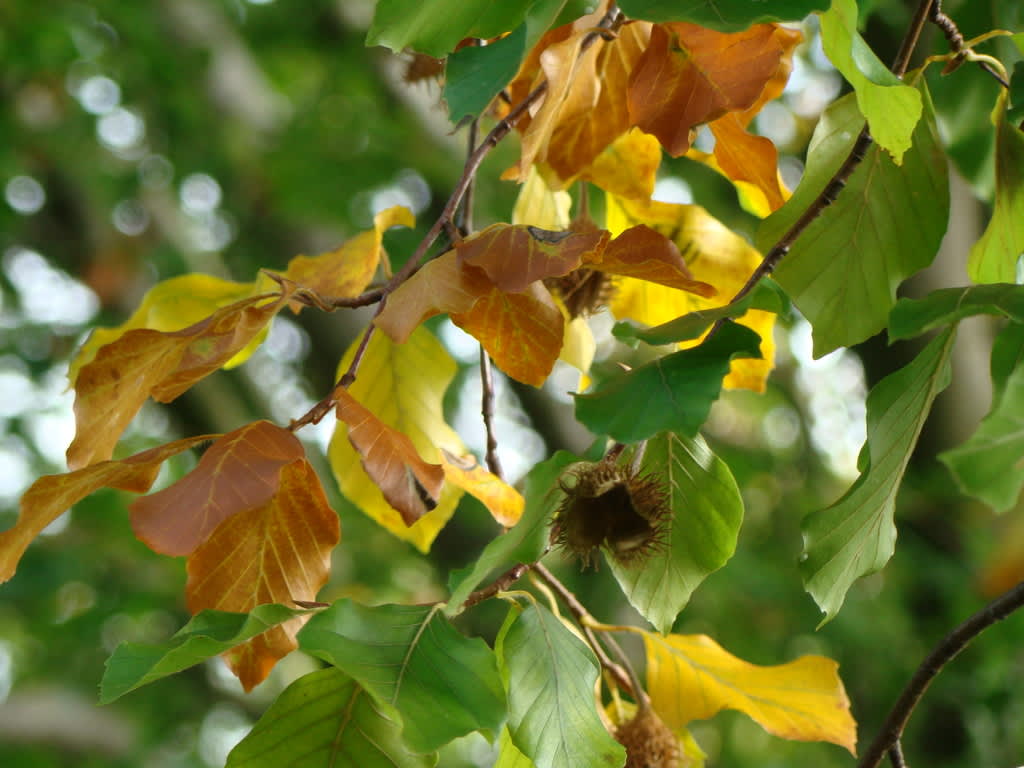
941, 655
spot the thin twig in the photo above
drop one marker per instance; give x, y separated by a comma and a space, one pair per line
942, 654
500, 584
956, 42
487, 410
896, 755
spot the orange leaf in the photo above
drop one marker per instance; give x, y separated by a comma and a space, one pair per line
238, 472
690, 75
277, 552
442, 285
502, 500
347, 270
744, 157
50, 496
522, 332
515, 256
141, 363
646, 254
411, 485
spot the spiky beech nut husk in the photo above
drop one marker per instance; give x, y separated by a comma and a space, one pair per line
584, 291
611, 506
648, 741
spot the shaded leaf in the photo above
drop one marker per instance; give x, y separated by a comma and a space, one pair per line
706, 510
403, 385
52, 495
750, 162
111, 388
990, 464
995, 256
418, 668
541, 206
239, 471
723, 15
208, 634
646, 254
501, 499
410, 485
673, 393
856, 535
912, 317
473, 75
278, 552
522, 332
549, 676
691, 677
892, 109
628, 167
435, 27
525, 542
322, 720
843, 270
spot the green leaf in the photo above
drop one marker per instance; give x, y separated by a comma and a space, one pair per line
767, 295
441, 684
843, 271
990, 465
549, 675
208, 634
523, 543
707, 511
673, 393
323, 720
509, 755
994, 257
1015, 112
856, 535
435, 27
912, 317
474, 75
723, 15
892, 109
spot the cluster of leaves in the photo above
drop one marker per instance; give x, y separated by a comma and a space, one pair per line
596, 101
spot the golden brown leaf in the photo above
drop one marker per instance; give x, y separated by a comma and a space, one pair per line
238, 472
522, 332
503, 501
411, 485
690, 75
278, 552
646, 254
50, 496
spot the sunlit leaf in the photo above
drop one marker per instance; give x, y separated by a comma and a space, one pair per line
522, 332
541, 206
323, 720
525, 542
208, 634
347, 270
750, 162
278, 552
509, 755
892, 109
52, 495
239, 471
403, 385
912, 317
435, 27
723, 15
473, 75
691, 677
843, 271
673, 393
628, 167
990, 464
143, 362
418, 668
549, 676
502, 500
994, 257
856, 535
706, 510
411, 485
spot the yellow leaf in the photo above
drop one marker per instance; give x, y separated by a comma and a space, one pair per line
714, 254
628, 167
691, 677
403, 385
172, 305
541, 206
502, 500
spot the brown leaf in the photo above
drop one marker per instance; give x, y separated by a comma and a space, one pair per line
442, 285
411, 485
277, 552
522, 332
50, 496
141, 363
646, 254
238, 472
515, 256
690, 75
